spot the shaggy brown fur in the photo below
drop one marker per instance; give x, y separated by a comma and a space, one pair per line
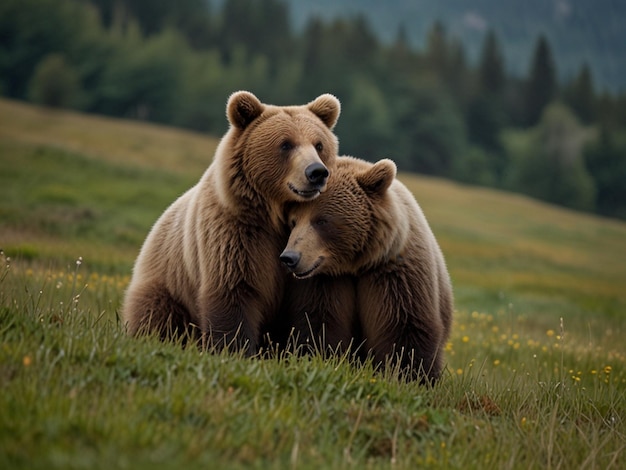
209, 264
317, 315
368, 225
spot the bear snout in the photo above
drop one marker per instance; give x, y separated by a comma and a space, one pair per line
290, 258
316, 173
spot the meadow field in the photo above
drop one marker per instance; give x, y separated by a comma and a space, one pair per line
536, 374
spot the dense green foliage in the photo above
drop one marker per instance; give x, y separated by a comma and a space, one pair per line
578, 29
430, 109
536, 369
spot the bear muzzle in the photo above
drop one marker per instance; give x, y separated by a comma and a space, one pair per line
316, 175
291, 259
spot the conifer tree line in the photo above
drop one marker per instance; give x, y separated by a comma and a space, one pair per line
429, 108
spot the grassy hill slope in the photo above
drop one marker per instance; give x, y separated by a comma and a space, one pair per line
83, 185
76, 185
536, 374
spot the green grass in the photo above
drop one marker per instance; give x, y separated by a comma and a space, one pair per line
536, 373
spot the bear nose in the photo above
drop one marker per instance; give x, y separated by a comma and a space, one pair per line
316, 173
290, 258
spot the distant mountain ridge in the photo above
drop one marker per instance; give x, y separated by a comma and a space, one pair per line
579, 31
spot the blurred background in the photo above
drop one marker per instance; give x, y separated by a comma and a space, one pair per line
523, 95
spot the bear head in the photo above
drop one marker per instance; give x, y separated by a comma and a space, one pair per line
352, 226
277, 154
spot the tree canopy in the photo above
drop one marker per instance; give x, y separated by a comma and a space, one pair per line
429, 109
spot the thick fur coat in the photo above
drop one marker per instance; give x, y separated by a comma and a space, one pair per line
368, 226
209, 267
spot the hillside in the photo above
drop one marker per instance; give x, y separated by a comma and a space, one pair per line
73, 184
536, 369
577, 29
95, 181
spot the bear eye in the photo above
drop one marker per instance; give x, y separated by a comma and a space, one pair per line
321, 221
319, 147
286, 146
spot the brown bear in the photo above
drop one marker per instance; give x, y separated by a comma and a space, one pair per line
209, 267
368, 225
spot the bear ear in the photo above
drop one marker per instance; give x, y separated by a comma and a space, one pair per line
243, 108
326, 107
378, 178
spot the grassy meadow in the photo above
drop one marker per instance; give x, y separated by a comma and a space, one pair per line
536, 373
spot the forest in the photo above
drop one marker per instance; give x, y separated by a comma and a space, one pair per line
428, 108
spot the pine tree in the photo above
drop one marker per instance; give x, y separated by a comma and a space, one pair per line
273, 34
491, 68
580, 95
437, 50
399, 54
361, 44
459, 77
313, 58
541, 87
236, 21
485, 114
